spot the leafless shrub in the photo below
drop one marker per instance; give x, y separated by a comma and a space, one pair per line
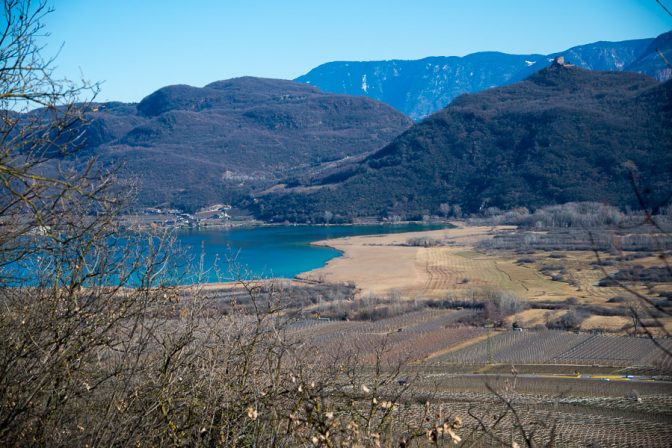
571, 320
423, 241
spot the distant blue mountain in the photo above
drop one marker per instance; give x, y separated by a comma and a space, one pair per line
421, 87
656, 60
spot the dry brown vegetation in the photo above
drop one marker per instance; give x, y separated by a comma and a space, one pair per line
99, 347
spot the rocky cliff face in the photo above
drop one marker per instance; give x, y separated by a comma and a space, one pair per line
421, 87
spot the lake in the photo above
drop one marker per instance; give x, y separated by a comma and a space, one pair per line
274, 251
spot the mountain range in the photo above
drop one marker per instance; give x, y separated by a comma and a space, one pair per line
290, 151
190, 147
563, 134
421, 87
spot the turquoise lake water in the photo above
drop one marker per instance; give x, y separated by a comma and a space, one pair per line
274, 251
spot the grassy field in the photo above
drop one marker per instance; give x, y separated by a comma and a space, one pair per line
456, 269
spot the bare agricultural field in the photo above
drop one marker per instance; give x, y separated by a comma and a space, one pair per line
436, 337
407, 338
566, 348
602, 416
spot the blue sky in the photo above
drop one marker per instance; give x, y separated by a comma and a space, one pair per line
137, 46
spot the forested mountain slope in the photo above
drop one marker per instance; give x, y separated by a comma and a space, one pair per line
189, 147
564, 134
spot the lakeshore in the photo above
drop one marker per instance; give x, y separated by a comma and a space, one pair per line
273, 251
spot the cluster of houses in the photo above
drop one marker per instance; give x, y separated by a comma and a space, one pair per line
211, 215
